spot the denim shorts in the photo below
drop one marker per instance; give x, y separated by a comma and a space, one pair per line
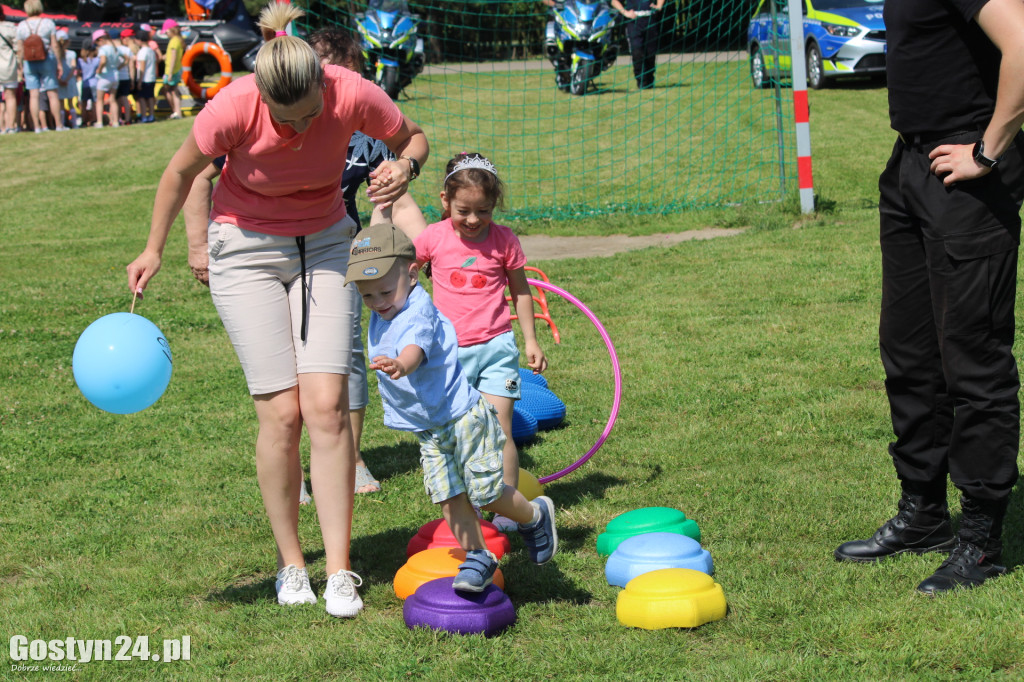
492, 367
256, 285
464, 456
41, 75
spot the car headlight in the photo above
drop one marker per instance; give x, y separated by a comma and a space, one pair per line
842, 31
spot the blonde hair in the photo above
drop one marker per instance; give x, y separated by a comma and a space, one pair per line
33, 8
287, 69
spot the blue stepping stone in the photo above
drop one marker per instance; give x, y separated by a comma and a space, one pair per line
543, 404
528, 377
652, 552
524, 425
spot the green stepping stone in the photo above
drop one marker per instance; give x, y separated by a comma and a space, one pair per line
645, 520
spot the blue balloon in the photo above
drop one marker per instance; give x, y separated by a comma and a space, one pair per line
122, 363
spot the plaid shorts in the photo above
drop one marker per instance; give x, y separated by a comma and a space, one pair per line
464, 456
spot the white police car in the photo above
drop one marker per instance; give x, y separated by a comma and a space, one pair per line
841, 38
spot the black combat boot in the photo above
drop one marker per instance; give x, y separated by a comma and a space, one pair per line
922, 525
978, 549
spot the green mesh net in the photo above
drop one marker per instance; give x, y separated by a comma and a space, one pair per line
703, 137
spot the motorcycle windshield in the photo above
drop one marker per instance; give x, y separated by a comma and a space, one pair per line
587, 10
393, 6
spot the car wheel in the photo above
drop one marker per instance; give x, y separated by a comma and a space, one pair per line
758, 73
815, 69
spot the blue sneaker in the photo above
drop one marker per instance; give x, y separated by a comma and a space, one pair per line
477, 572
541, 538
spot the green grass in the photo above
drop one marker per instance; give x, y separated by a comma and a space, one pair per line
702, 137
752, 401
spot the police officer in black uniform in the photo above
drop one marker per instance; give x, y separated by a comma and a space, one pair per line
643, 33
950, 199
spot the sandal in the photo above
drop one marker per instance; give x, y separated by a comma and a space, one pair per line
364, 478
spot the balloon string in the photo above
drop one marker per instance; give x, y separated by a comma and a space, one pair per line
134, 296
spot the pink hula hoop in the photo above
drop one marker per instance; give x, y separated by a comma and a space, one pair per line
615, 367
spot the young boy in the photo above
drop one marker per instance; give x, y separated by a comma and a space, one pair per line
413, 347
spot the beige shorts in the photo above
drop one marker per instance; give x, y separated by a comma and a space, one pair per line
256, 284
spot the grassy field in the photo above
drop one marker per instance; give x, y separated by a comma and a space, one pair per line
752, 401
713, 135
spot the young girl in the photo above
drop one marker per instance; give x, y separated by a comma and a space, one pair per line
67, 89
88, 63
172, 66
106, 77
473, 260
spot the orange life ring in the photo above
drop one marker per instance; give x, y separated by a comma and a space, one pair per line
214, 50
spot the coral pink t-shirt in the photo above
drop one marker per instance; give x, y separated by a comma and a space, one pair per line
275, 180
470, 278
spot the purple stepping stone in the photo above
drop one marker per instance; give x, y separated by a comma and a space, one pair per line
437, 606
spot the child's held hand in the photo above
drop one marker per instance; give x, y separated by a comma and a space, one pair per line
390, 366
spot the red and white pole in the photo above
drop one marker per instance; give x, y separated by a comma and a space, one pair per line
801, 112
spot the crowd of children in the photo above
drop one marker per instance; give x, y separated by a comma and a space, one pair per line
111, 81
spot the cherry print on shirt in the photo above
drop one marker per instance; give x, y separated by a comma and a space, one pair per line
458, 279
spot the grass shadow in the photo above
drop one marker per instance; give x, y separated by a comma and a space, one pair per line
593, 486
379, 556
255, 588
392, 460
528, 582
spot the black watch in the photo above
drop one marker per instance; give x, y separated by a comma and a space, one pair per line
414, 167
979, 155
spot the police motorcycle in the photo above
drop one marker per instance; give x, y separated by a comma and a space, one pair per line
392, 48
579, 43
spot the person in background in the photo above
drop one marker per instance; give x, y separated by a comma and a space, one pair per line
125, 76
43, 75
643, 32
145, 79
172, 66
9, 75
68, 90
949, 214
145, 35
88, 64
106, 78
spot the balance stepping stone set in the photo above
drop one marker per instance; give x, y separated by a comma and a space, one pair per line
425, 581
654, 553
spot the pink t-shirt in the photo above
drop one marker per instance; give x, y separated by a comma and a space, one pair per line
470, 278
275, 180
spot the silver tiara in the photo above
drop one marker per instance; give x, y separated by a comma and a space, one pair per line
473, 162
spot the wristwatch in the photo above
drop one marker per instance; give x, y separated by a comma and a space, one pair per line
979, 155
414, 167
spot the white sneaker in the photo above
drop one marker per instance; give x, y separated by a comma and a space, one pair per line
342, 599
293, 586
304, 496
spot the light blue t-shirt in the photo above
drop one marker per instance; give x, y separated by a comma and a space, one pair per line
437, 392
109, 71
